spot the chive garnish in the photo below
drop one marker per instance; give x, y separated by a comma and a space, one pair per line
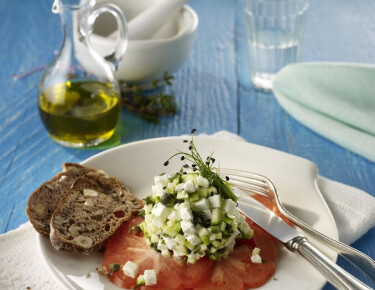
206, 168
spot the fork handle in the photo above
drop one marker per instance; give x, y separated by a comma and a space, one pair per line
337, 276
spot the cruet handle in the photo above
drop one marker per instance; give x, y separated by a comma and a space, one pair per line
87, 25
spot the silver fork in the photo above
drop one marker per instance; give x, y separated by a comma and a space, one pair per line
255, 183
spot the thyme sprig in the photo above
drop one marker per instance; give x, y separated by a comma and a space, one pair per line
149, 100
206, 168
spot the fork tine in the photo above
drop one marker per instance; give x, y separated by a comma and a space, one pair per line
248, 182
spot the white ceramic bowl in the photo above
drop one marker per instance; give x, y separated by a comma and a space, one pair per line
148, 58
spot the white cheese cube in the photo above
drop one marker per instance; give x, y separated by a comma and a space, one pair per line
130, 269
148, 218
202, 204
162, 179
150, 277
179, 187
229, 206
193, 239
256, 259
161, 211
186, 214
245, 228
161, 246
157, 222
190, 186
154, 238
170, 242
160, 192
187, 227
215, 201
202, 181
175, 215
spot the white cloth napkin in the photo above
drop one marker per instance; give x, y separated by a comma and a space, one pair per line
21, 266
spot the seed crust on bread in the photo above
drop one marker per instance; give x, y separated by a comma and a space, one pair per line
90, 212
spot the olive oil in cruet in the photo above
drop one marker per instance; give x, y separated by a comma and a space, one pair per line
79, 98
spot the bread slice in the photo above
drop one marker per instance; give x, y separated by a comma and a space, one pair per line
91, 212
45, 199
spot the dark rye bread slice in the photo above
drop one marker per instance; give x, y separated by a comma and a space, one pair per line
90, 213
45, 199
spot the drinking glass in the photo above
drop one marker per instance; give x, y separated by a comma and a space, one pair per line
274, 33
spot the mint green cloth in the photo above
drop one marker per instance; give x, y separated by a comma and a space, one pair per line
336, 100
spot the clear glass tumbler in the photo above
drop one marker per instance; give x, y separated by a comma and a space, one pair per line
274, 32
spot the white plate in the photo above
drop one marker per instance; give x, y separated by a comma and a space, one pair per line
137, 163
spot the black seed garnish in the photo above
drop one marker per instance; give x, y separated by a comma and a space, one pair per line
182, 157
212, 193
226, 178
194, 165
195, 169
185, 141
114, 267
212, 160
185, 166
184, 173
193, 131
190, 147
166, 163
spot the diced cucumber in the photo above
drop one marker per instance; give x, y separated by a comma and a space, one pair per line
181, 250
202, 192
141, 280
212, 249
228, 220
217, 244
216, 217
173, 230
189, 245
180, 239
256, 251
205, 240
201, 205
214, 229
203, 232
193, 196
191, 260
190, 176
182, 195
219, 236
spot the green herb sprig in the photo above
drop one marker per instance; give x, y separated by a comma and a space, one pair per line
149, 100
206, 168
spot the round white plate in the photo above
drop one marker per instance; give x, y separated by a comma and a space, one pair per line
137, 163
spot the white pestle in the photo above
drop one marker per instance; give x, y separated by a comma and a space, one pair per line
149, 21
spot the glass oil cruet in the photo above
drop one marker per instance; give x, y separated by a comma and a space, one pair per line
79, 97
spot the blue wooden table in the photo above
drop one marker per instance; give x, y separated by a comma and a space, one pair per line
213, 91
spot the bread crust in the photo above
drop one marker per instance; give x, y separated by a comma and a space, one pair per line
44, 200
90, 212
